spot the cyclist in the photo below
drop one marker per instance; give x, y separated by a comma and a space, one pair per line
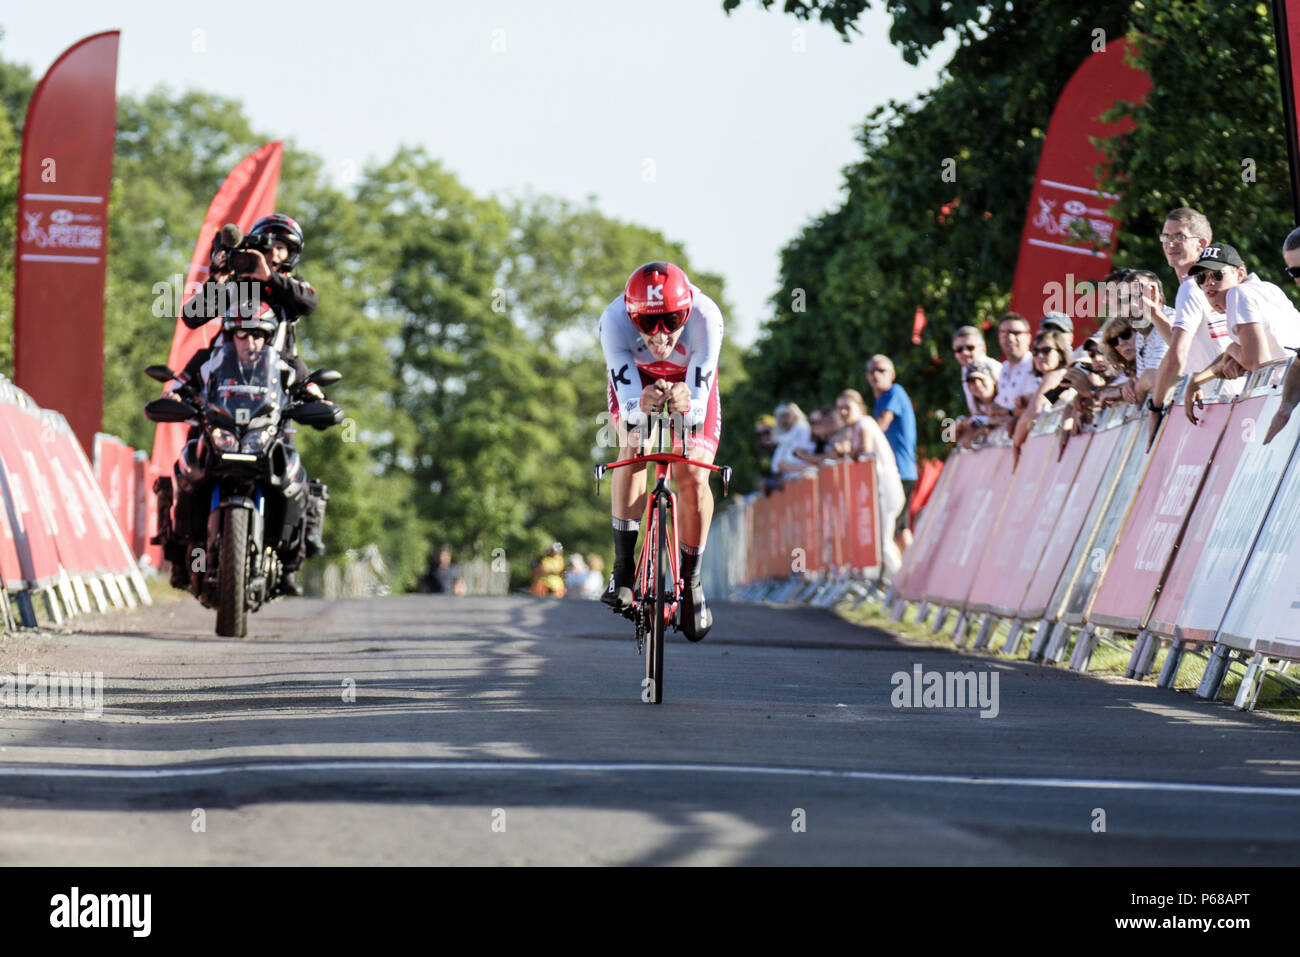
661, 339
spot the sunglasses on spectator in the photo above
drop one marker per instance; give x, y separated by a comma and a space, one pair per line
649, 324
1293, 272
1124, 336
872, 369
970, 347
1207, 274
1044, 350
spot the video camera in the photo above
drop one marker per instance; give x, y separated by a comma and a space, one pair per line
238, 250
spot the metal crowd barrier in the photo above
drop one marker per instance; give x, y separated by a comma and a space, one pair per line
1089, 539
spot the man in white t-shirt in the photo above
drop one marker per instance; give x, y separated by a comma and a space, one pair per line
1017, 376
1197, 336
1261, 320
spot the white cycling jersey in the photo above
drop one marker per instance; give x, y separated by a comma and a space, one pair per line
694, 359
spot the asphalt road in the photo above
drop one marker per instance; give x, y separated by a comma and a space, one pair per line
511, 731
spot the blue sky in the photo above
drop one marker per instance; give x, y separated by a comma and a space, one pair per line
726, 133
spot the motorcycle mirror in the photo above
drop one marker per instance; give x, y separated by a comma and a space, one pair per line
319, 415
160, 373
324, 377
169, 410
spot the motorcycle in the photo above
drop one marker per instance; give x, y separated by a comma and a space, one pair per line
256, 507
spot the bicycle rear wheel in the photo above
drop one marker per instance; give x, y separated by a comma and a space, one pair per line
656, 633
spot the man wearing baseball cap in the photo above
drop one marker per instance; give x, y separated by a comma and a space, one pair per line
1262, 322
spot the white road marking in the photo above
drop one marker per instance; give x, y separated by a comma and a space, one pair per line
257, 767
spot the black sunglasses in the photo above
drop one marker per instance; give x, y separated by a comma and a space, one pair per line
1044, 350
1124, 336
1206, 273
971, 348
1293, 272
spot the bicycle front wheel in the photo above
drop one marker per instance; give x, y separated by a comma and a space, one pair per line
654, 659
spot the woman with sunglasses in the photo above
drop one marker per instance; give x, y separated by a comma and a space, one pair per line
661, 339
1051, 354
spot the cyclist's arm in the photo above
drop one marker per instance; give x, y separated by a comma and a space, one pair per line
621, 372
705, 346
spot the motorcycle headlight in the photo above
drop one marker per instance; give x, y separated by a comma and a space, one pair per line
258, 440
225, 441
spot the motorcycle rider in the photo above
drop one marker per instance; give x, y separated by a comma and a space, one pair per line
249, 328
290, 297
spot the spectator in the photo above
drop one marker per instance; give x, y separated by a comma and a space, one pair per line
1290, 385
1119, 344
1196, 337
548, 573
793, 433
439, 578
824, 423
1051, 355
858, 438
1262, 322
575, 576
1016, 382
982, 382
595, 583
764, 445
968, 345
893, 412
1058, 322
1154, 310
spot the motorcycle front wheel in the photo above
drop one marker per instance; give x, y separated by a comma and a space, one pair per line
232, 585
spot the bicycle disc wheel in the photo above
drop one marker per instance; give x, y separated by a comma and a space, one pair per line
654, 659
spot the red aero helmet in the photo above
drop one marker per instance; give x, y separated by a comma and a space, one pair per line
657, 296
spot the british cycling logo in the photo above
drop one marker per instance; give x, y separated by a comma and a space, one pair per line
949, 689
58, 689
75, 909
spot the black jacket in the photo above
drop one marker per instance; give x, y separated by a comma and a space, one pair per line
292, 297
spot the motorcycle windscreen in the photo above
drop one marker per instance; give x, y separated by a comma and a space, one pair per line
246, 387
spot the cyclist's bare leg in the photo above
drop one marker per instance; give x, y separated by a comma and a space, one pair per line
694, 498
627, 506
695, 515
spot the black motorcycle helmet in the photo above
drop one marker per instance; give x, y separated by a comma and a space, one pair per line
282, 228
250, 316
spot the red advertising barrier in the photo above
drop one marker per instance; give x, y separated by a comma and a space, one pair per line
1045, 593
146, 513
935, 522
1222, 527
1156, 518
115, 471
996, 586
35, 522
966, 545
1058, 518
860, 501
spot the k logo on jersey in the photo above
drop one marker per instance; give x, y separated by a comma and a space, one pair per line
620, 376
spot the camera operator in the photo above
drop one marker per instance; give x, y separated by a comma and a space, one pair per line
266, 256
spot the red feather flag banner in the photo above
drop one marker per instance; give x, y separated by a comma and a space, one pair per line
63, 188
1286, 26
1069, 234
247, 195
918, 326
